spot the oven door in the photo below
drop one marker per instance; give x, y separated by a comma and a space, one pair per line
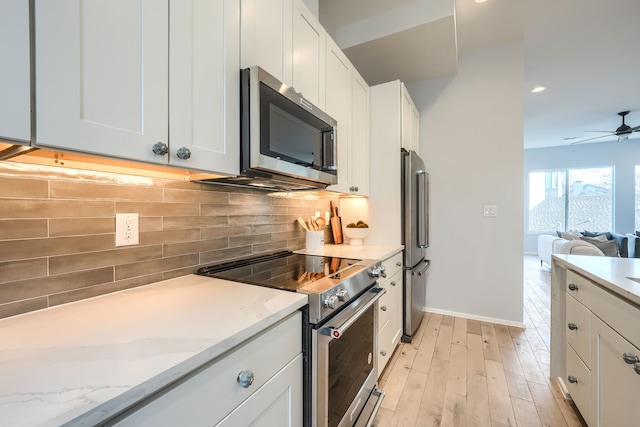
345, 366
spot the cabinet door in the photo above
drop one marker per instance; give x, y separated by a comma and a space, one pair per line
308, 54
360, 160
405, 102
15, 103
266, 28
204, 43
415, 129
338, 106
102, 76
277, 403
616, 385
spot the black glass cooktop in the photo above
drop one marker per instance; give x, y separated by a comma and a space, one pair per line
281, 270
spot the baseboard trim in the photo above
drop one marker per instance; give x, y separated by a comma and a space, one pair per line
474, 317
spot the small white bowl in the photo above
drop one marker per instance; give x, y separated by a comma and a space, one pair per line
356, 235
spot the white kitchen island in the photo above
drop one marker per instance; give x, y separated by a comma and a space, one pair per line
595, 336
82, 363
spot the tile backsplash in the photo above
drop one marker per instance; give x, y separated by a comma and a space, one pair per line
57, 231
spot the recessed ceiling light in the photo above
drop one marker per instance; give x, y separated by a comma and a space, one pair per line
480, 1
538, 89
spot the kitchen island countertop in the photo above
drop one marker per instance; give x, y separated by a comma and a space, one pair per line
83, 362
610, 272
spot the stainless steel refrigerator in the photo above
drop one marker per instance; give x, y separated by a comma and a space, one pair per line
415, 238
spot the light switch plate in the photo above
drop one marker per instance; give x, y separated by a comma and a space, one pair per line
127, 229
490, 211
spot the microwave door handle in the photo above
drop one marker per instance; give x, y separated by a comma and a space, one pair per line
421, 202
329, 148
336, 332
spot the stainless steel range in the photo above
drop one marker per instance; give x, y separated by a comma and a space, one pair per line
340, 329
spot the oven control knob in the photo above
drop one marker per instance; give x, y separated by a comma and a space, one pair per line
330, 301
378, 271
341, 293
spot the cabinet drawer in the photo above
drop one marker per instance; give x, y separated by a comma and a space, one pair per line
388, 339
623, 317
578, 329
211, 392
393, 264
580, 388
579, 287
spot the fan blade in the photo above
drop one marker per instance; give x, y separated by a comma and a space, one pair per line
602, 131
591, 139
635, 129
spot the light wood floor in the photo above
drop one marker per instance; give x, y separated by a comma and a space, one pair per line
464, 373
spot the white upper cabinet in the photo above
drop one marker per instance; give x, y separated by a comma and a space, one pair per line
410, 122
204, 80
266, 29
104, 80
15, 102
347, 101
308, 54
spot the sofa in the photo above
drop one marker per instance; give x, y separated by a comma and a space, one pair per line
625, 246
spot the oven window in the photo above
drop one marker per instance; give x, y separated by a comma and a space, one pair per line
350, 363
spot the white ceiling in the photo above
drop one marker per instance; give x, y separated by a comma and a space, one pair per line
587, 53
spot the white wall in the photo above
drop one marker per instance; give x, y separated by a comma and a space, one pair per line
623, 156
471, 137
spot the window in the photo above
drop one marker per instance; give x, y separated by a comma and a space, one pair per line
573, 199
637, 210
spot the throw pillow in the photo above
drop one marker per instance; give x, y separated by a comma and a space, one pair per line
596, 234
608, 247
600, 237
570, 235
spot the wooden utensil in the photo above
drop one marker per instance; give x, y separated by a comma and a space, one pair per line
336, 224
321, 222
302, 223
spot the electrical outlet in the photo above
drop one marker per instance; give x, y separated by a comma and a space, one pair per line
127, 229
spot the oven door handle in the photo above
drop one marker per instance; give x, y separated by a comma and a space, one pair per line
336, 332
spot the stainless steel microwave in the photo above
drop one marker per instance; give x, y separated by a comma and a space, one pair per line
284, 137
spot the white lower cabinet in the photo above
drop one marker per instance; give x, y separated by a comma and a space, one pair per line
390, 311
257, 383
602, 354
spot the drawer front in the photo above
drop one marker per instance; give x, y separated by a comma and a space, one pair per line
388, 339
580, 388
579, 287
393, 264
578, 329
212, 392
623, 317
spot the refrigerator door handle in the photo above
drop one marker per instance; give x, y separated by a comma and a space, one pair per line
427, 265
421, 202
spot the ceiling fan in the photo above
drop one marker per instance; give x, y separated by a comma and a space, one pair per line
622, 132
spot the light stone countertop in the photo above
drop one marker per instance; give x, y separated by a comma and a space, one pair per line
610, 272
345, 250
82, 362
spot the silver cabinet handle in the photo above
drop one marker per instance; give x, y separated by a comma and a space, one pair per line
160, 148
354, 189
572, 326
398, 264
183, 153
383, 308
636, 368
573, 287
245, 379
383, 353
572, 379
393, 283
630, 358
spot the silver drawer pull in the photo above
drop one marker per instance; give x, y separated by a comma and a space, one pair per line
383, 353
630, 358
573, 287
572, 326
636, 368
383, 308
398, 264
245, 379
393, 283
572, 379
